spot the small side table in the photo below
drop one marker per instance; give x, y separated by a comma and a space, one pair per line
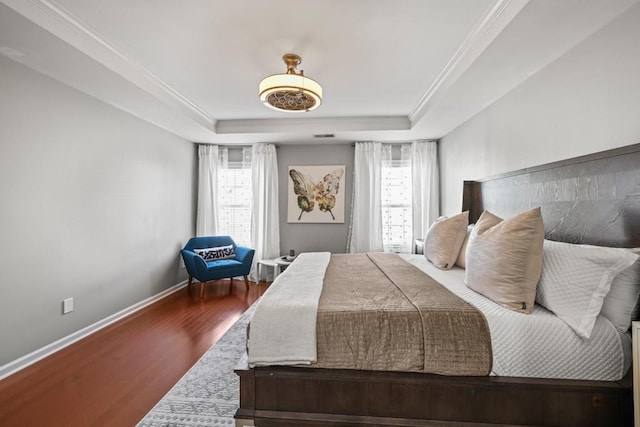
267, 263
282, 262
278, 264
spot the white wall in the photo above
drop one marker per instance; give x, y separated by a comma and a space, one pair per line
588, 100
95, 205
314, 237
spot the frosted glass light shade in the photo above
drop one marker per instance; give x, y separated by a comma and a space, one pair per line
290, 92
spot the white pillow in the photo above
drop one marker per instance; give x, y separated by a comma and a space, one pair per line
576, 278
217, 253
444, 239
621, 303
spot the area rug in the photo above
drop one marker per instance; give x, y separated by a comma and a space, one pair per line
208, 394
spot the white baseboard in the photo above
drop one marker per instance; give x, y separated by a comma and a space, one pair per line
31, 358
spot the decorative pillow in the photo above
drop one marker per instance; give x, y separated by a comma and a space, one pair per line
504, 258
444, 239
461, 261
220, 252
576, 278
621, 303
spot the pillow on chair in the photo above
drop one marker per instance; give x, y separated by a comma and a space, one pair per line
217, 253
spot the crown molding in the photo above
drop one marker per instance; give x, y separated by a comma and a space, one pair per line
313, 125
53, 18
498, 16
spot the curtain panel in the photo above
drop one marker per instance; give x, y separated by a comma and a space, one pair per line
206, 214
365, 231
426, 186
265, 227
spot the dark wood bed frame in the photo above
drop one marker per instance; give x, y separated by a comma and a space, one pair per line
590, 199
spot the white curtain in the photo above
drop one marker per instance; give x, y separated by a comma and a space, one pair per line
265, 218
206, 215
365, 234
426, 186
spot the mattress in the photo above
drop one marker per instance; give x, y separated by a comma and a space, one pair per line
540, 345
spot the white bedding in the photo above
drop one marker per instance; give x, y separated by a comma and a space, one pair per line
537, 345
540, 345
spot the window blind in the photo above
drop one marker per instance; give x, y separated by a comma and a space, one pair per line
397, 233
234, 199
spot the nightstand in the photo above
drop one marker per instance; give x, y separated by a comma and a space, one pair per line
282, 262
419, 246
278, 264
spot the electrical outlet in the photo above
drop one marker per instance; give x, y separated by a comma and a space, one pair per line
67, 306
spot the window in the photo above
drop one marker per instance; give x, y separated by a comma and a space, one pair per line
397, 226
234, 195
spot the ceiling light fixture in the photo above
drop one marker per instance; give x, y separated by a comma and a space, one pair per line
291, 91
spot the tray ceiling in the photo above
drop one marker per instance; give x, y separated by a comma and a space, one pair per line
390, 70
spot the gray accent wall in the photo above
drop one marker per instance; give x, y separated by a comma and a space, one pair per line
314, 237
95, 206
586, 101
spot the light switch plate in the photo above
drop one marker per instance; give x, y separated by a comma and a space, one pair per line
67, 306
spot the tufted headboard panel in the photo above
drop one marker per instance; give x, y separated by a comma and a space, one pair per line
593, 199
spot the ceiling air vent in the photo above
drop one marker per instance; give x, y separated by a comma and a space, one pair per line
325, 135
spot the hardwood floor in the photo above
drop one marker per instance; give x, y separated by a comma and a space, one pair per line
115, 376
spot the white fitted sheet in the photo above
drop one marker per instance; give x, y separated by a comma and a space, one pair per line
540, 345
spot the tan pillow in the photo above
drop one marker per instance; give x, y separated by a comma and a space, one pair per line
504, 258
462, 258
444, 239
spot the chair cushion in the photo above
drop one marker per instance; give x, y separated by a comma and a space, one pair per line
223, 264
217, 253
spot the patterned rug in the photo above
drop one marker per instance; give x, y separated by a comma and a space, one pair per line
207, 395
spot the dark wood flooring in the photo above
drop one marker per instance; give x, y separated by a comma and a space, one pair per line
116, 375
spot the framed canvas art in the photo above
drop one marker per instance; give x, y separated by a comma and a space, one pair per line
316, 194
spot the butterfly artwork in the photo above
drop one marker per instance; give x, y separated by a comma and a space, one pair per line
317, 194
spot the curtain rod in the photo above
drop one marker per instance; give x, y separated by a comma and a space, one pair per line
235, 146
398, 142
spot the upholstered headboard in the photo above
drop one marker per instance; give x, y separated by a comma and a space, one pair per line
592, 199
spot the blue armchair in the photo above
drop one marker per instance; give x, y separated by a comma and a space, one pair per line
205, 271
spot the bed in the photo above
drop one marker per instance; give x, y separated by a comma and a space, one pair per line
592, 200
